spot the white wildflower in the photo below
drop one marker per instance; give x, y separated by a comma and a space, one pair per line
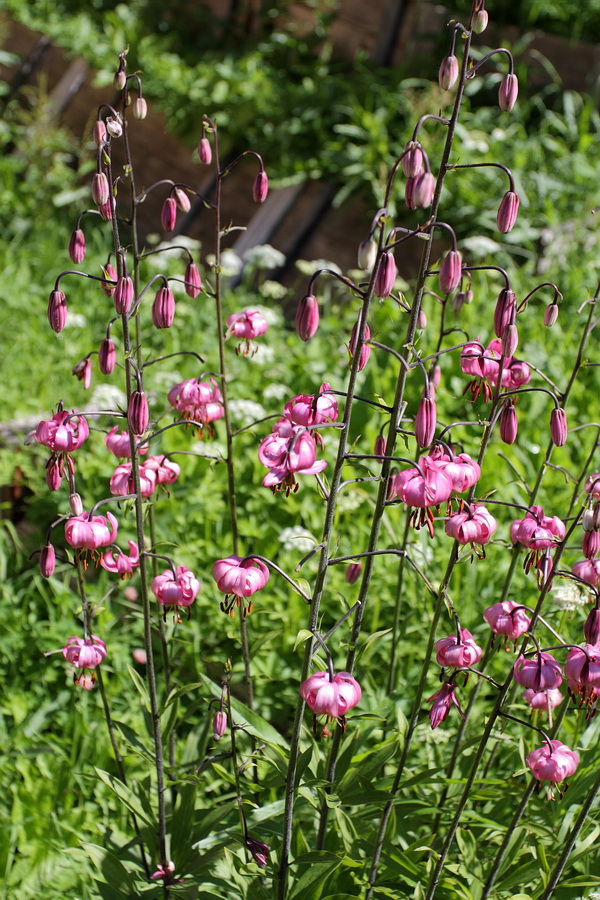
263, 256
244, 412
107, 396
309, 267
297, 538
273, 290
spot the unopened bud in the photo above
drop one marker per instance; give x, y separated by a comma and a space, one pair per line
100, 188
448, 73
422, 320
587, 520
120, 79
110, 274
307, 317
425, 422
558, 426
591, 629
450, 271
550, 315
54, 474
386, 275
168, 214
380, 445
459, 301
75, 504
367, 254
591, 544
509, 424
99, 131
57, 311
365, 350
107, 356
510, 340
505, 311
139, 654
163, 308
193, 282
205, 151
114, 126
596, 512
412, 161
219, 725
260, 188
507, 212
182, 199
83, 371
77, 246
123, 295
140, 108
480, 21
138, 413
423, 190
508, 92
105, 210
47, 561
353, 572
437, 377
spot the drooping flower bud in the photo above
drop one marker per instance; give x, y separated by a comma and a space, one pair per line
591, 629
421, 320
57, 311
54, 473
380, 445
425, 422
307, 317
509, 424
480, 21
505, 311
138, 413
587, 520
120, 79
423, 190
550, 315
110, 274
367, 254
100, 188
510, 340
75, 504
182, 199
450, 271
412, 161
558, 426
114, 126
77, 246
365, 350
219, 725
163, 308
205, 151
83, 371
353, 572
168, 214
140, 108
386, 275
105, 210
591, 544
507, 212
123, 295
193, 282
508, 92
448, 72
99, 131
47, 560
260, 188
107, 356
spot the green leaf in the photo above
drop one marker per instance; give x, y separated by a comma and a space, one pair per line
112, 869
140, 686
127, 797
254, 723
303, 635
312, 882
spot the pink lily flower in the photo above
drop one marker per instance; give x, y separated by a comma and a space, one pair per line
312, 409
64, 432
239, 577
507, 618
460, 653
197, 400
119, 444
84, 654
180, 589
89, 533
287, 451
473, 526
331, 698
540, 672
121, 564
552, 763
443, 701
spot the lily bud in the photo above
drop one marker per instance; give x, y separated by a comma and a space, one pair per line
219, 725
138, 413
99, 131
260, 188
353, 572
110, 274
587, 520
140, 108
114, 126
163, 308
505, 311
367, 254
380, 445
182, 199
425, 422
77, 246
550, 315
47, 561
75, 504
510, 340
107, 356
558, 426
205, 152
480, 21
100, 188
507, 212
508, 92
591, 544
412, 161
450, 271
386, 275
123, 295
168, 214
307, 317
421, 320
448, 73
120, 79
423, 190
193, 282
57, 311
509, 424
591, 629
105, 210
